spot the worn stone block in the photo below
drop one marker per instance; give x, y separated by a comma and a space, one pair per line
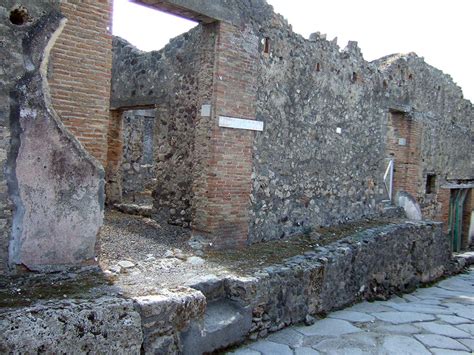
102, 326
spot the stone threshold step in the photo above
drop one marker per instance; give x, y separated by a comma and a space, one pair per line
225, 323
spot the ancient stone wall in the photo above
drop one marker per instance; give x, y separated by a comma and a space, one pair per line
372, 263
170, 79
55, 187
12, 30
80, 71
139, 155
319, 159
105, 325
433, 103
223, 215
328, 116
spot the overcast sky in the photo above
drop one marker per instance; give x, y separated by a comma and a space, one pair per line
441, 31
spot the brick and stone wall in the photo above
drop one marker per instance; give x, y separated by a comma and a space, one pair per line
319, 159
22, 51
441, 122
178, 81
139, 155
371, 264
223, 215
80, 73
12, 68
331, 119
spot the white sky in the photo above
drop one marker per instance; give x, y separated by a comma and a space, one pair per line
441, 31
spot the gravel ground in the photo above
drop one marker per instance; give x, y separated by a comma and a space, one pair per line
143, 256
130, 237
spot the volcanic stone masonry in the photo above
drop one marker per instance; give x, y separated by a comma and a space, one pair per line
52, 209
331, 122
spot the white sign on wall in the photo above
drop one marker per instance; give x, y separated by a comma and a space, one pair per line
240, 123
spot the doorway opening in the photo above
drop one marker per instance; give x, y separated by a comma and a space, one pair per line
138, 167
461, 218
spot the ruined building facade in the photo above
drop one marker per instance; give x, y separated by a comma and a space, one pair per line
255, 133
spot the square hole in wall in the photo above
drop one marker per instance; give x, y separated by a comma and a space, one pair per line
431, 184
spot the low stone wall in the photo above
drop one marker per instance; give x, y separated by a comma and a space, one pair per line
106, 325
371, 264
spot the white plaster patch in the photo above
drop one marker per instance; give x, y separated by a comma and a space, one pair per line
239, 123
206, 110
28, 113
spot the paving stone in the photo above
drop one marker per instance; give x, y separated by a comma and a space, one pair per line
397, 329
328, 327
411, 298
271, 348
368, 307
433, 301
453, 319
436, 351
434, 292
467, 342
442, 329
287, 336
359, 343
352, 316
462, 299
245, 352
465, 312
403, 317
469, 328
439, 341
421, 308
348, 351
396, 299
306, 351
456, 284
402, 345
430, 321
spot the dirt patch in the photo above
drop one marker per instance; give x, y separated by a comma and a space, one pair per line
260, 255
130, 237
23, 290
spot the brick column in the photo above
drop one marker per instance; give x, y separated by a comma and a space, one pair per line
444, 196
223, 205
407, 175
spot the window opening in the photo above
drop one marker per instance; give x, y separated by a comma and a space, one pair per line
431, 184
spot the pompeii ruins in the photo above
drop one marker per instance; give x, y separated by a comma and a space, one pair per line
237, 139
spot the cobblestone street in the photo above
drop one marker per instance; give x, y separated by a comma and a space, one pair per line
435, 320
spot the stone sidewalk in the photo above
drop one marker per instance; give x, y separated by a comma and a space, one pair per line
435, 320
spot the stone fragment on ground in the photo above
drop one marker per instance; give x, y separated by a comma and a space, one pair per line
435, 320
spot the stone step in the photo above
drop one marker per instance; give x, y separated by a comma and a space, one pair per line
225, 323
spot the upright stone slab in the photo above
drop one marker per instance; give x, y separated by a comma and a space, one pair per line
55, 185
